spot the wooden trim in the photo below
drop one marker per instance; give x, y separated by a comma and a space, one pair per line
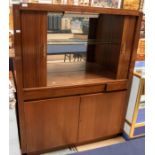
121, 85
61, 92
137, 125
50, 92
132, 137
62, 8
129, 123
19, 82
111, 81
126, 46
136, 109
133, 56
137, 75
135, 46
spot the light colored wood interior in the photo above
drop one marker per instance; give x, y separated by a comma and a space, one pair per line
57, 36
75, 73
100, 144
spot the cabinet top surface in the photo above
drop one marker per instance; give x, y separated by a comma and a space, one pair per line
79, 9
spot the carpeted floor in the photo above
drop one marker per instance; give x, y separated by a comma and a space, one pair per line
132, 147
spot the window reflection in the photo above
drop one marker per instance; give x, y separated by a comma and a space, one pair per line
67, 45
67, 38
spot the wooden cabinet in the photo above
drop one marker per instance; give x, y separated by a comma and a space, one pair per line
73, 104
51, 123
101, 115
71, 120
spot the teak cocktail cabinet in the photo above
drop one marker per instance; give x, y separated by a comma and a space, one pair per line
73, 112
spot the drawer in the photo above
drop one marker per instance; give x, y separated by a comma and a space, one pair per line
45, 93
119, 85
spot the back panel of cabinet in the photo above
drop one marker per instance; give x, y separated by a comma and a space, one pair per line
34, 40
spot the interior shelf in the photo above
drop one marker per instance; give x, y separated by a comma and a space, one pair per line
80, 41
75, 73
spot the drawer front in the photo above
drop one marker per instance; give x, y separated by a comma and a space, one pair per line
114, 86
33, 94
51, 123
101, 115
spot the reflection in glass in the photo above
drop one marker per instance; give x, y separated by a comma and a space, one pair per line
67, 48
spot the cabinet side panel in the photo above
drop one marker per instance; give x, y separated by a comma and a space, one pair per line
18, 77
135, 45
51, 123
34, 47
126, 46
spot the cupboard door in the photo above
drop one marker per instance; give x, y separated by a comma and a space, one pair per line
51, 123
34, 42
101, 115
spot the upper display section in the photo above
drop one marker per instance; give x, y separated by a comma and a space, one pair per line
80, 9
73, 45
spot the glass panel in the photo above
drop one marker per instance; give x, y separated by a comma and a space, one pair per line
76, 44
67, 48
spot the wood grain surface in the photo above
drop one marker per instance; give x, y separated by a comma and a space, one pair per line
34, 48
80, 9
51, 123
101, 115
61, 108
